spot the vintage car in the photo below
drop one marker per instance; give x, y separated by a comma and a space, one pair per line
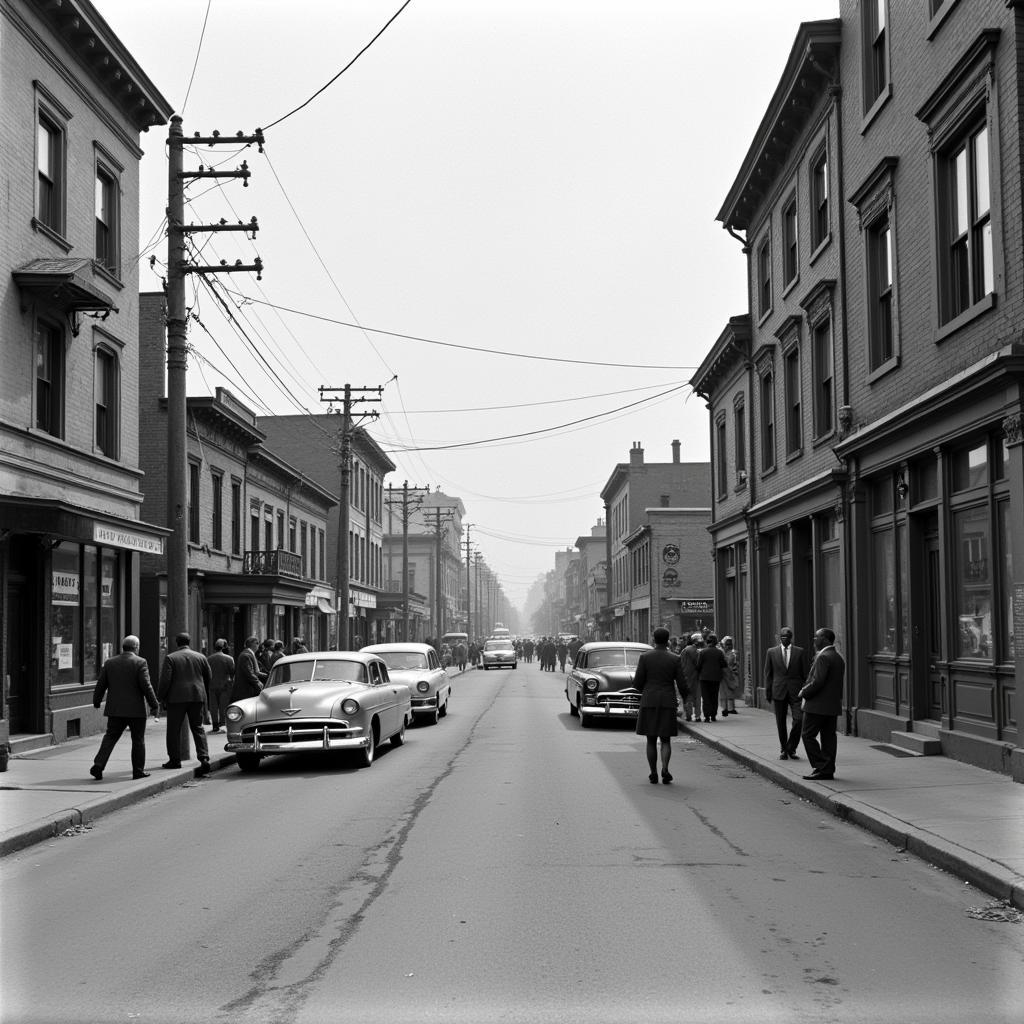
418, 666
339, 701
498, 654
600, 684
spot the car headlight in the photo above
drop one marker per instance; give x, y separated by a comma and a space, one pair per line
591, 685
350, 707
234, 713
423, 686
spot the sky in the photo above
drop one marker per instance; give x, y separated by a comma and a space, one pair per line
503, 212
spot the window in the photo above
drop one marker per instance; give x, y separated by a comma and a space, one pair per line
790, 244
740, 442
973, 581
106, 386
236, 517
966, 226
878, 242
883, 542
819, 200
217, 518
876, 54
50, 378
794, 412
720, 459
193, 502
764, 278
767, 421
280, 530
50, 164
107, 221
824, 378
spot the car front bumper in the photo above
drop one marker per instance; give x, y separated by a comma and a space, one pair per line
280, 738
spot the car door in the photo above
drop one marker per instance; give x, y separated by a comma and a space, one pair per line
386, 698
438, 677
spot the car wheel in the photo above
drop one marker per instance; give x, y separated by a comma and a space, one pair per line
443, 713
573, 710
399, 738
487, 668
435, 714
364, 757
247, 762
585, 722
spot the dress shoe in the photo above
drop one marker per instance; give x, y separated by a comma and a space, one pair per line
653, 777
666, 778
204, 769
96, 772
794, 756
784, 756
819, 778
216, 728
140, 775
725, 713
171, 764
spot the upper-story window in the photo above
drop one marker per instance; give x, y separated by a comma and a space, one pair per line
793, 397
764, 278
875, 21
108, 220
217, 512
107, 392
790, 243
819, 200
236, 517
193, 502
824, 378
49, 378
51, 172
740, 441
721, 458
767, 420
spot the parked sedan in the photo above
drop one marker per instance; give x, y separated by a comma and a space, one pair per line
339, 701
600, 685
498, 654
418, 666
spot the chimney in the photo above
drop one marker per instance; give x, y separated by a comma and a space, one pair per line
636, 454
675, 452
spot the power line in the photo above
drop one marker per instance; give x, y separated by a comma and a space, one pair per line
343, 70
199, 50
468, 348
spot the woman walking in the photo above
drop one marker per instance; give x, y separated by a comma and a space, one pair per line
711, 666
659, 677
732, 685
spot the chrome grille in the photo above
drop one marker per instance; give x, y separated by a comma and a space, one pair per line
305, 731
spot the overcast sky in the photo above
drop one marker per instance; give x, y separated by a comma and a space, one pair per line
536, 178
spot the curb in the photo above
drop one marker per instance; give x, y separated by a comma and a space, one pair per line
96, 807
987, 875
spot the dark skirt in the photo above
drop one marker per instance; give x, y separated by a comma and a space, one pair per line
657, 721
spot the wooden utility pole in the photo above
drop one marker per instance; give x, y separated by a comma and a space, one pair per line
408, 507
439, 511
469, 585
341, 562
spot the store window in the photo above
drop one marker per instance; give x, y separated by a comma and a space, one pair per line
884, 558
970, 467
1006, 641
973, 582
66, 619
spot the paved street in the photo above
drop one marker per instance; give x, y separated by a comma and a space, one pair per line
503, 865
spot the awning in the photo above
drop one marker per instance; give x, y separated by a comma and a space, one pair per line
325, 606
64, 521
63, 282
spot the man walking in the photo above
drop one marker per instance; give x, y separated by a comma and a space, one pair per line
249, 678
184, 681
688, 656
823, 704
124, 679
785, 671
222, 675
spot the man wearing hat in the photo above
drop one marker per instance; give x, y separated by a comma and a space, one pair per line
184, 682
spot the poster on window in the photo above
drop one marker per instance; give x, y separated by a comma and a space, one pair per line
65, 656
66, 588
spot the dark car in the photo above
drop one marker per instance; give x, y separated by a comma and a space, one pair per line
600, 685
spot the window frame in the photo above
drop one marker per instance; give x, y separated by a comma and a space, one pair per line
819, 200
792, 392
823, 371
876, 82
790, 243
721, 461
764, 278
107, 422
108, 172
739, 420
767, 420
55, 383
217, 510
54, 117
194, 500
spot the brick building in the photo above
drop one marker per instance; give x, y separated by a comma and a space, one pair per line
914, 551
73, 103
588, 578
257, 526
633, 488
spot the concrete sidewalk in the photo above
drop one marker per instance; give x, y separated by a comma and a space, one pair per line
964, 819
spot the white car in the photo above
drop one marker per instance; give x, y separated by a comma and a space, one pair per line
498, 654
417, 666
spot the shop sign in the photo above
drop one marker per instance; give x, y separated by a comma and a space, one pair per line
115, 537
696, 605
670, 579
361, 600
66, 588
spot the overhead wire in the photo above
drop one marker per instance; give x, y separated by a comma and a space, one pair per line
195, 63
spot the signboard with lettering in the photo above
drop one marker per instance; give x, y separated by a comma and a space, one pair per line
117, 537
696, 605
66, 588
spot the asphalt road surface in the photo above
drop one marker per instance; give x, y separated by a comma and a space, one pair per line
504, 865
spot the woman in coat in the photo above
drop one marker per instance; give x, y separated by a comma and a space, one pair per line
659, 677
711, 667
732, 684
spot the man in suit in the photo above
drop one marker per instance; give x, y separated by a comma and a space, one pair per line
124, 679
249, 677
688, 656
222, 675
785, 671
822, 695
184, 682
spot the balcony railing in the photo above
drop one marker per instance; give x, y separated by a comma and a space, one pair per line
272, 563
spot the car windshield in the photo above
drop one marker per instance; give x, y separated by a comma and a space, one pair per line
317, 670
613, 657
399, 660
498, 645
